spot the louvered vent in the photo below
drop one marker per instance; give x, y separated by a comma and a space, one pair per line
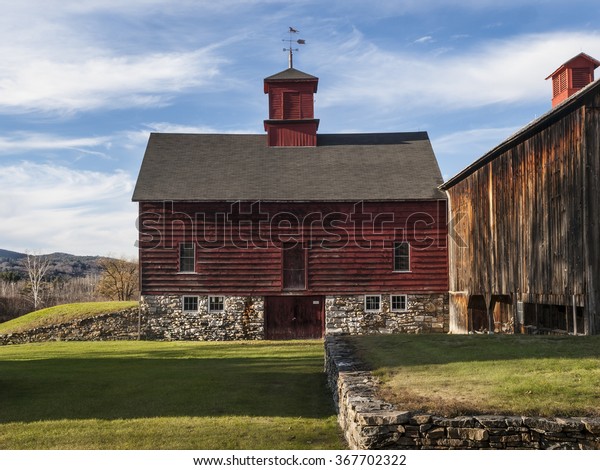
581, 77
291, 106
559, 83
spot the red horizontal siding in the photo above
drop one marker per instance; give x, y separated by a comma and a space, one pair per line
342, 257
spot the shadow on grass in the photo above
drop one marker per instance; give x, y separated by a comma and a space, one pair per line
113, 388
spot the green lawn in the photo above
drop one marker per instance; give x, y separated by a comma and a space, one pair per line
175, 395
456, 374
60, 314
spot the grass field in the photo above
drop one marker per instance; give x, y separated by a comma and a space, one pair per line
455, 374
179, 395
60, 314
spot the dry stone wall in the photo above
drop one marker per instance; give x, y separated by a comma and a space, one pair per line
368, 422
425, 313
126, 324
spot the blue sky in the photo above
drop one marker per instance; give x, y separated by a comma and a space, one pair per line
84, 82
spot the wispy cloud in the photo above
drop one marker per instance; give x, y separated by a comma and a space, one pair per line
54, 85
424, 40
456, 148
44, 206
499, 71
140, 137
17, 142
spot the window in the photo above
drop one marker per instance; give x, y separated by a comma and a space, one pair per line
398, 303
216, 303
294, 266
401, 256
187, 258
372, 303
190, 303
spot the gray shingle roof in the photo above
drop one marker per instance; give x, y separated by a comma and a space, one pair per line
343, 167
291, 74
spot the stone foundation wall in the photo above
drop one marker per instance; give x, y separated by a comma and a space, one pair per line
369, 422
109, 326
241, 319
425, 313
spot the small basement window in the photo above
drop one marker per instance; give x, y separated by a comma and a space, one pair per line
190, 303
216, 303
372, 303
399, 303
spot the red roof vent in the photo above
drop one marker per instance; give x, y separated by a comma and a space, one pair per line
571, 77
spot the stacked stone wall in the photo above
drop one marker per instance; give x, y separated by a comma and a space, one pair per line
425, 313
162, 317
368, 422
126, 324
241, 319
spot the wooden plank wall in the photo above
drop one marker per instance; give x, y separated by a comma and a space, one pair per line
591, 205
337, 262
530, 226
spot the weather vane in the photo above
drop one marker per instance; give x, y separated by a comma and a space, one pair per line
290, 49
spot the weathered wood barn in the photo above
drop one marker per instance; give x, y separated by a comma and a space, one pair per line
525, 220
291, 234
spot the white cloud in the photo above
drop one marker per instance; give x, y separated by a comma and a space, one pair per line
391, 7
458, 149
64, 56
457, 142
140, 137
16, 142
101, 81
46, 208
424, 40
499, 71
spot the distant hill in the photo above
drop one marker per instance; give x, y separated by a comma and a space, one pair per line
11, 254
63, 265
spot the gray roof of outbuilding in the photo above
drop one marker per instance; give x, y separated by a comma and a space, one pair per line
342, 167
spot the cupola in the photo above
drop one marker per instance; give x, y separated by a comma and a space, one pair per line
571, 77
291, 120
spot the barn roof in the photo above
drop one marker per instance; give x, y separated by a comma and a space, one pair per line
342, 167
555, 114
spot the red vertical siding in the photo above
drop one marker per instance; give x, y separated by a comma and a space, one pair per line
277, 100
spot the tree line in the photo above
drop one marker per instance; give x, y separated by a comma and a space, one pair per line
33, 288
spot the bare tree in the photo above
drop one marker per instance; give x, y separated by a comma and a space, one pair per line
37, 266
119, 279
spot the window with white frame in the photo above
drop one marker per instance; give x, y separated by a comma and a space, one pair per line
401, 256
399, 303
372, 303
216, 303
190, 303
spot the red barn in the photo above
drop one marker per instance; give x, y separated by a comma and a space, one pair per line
293, 234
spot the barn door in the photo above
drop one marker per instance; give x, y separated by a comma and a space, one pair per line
294, 317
